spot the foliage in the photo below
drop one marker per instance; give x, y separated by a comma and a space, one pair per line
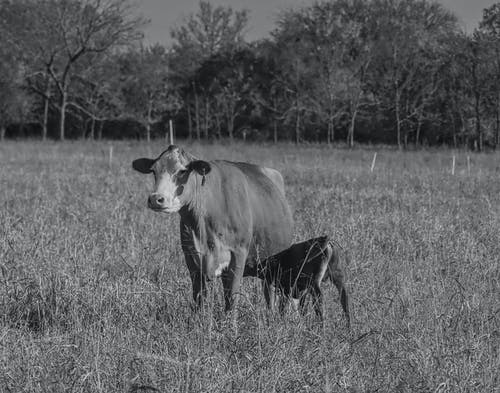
394, 71
210, 32
15, 104
56, 35
147, 94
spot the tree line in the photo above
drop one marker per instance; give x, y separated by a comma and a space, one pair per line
400, 72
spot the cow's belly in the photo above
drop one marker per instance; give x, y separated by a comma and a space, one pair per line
213, 264
212, 256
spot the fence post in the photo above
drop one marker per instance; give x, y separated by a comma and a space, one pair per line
110, 155
373, 162
171, 131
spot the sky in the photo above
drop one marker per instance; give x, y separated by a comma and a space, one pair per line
165, 14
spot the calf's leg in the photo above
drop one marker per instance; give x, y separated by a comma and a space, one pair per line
269, 295
303, 303
337, 277
317, 300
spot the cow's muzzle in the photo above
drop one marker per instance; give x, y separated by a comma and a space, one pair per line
160, 203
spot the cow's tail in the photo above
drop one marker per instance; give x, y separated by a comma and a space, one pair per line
336, 274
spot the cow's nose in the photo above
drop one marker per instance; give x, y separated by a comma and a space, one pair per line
156, 201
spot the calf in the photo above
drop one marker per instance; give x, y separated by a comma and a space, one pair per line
300, 269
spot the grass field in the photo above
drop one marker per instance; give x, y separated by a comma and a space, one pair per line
95, 297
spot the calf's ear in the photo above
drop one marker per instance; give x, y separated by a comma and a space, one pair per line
202, 167
143, 165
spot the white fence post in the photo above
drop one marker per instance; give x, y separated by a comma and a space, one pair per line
373, 162
171, 131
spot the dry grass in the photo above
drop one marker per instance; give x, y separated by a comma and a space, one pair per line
95, 297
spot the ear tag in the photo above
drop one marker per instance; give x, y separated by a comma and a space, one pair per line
203, 178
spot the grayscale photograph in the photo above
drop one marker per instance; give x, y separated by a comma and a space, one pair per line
265, 196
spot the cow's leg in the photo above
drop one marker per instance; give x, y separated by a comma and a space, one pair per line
199, 287
231, 278
198, 279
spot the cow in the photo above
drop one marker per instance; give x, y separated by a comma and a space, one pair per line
300, 269
232, 214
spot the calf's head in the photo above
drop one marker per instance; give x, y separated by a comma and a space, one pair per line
176, 174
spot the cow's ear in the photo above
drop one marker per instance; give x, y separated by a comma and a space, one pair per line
202, 167
143, 165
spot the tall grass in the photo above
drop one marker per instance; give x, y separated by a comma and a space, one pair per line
95, 296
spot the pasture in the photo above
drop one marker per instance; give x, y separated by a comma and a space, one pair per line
95, 296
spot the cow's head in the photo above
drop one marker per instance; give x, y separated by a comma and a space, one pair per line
176, 174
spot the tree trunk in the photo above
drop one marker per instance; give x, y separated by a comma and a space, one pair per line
297, 128
497, 130
275, 131
219, 126
190, 122
419, 127
275, 121
398, 120
46, 103
328, 131
352, 125
230, 129
350, 138
197, 114
454, 128
148, 122
2, 132
207, 117
99, 130
84, 129
230, 124
479, 133
62, 119
92, 128
477, 100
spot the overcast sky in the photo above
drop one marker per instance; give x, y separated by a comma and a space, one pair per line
167, 13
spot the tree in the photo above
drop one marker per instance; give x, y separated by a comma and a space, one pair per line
210, 31
15, 104
97, 92
328, 53
407, 61
228, 79
55, 35
269, 91
146, 90
488, 34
